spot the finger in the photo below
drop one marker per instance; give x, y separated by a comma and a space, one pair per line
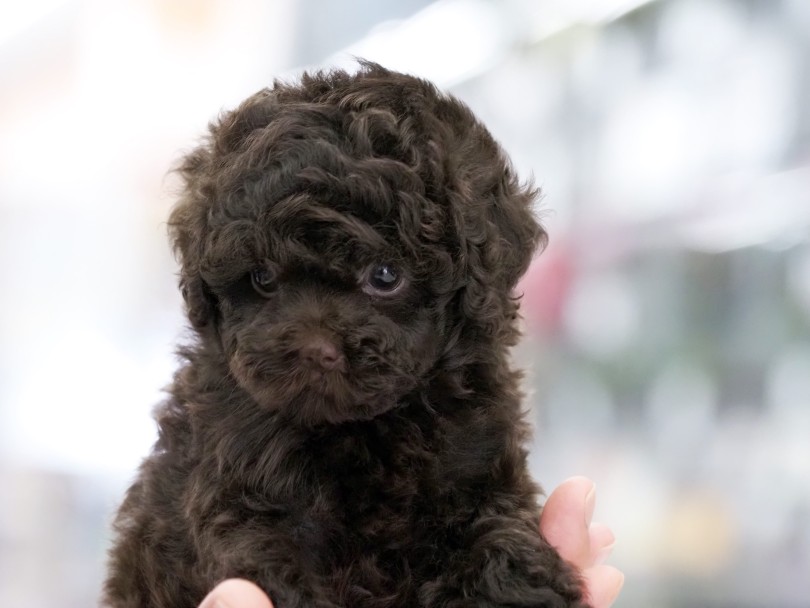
602, 542
236, 593
565, 519
603, 584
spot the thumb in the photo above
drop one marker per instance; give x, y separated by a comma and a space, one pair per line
566, 517
236, 593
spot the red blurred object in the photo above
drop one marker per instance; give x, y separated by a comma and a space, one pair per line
545, 288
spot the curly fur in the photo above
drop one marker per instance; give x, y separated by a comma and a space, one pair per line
342, 445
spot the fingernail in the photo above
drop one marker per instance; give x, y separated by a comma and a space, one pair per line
213, 602
617, 589
602, 555
590, 503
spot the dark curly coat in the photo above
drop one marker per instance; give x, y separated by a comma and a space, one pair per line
346, 429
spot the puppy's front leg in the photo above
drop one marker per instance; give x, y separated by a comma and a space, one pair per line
253, 550
505, 562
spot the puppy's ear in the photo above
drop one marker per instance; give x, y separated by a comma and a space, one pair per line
515, 233
499, 239
200, 304
188, 227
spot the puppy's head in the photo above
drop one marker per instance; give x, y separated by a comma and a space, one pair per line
345, 239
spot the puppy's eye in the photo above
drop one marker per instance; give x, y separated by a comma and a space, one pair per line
263, 280
383, 279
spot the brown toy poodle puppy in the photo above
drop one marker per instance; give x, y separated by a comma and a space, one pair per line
346, 429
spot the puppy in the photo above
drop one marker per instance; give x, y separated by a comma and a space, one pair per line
346, 428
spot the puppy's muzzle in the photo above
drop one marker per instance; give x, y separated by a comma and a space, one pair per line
320, 354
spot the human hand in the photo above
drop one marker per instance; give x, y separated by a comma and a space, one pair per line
565, 522
236, 593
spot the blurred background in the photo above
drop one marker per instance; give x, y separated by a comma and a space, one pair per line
668, 321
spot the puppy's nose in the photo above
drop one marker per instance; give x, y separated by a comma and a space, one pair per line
322, 353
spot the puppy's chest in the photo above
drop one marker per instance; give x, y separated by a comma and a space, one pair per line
365, 504
371, 504
351, 527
